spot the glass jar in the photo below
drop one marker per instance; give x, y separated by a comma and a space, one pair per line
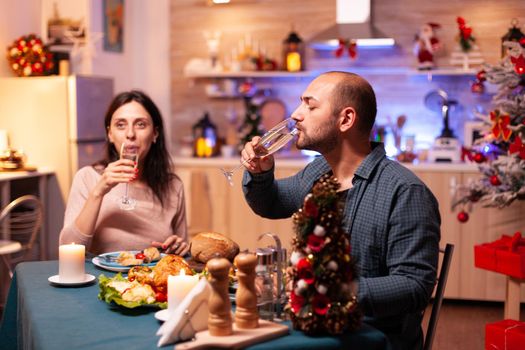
264, 283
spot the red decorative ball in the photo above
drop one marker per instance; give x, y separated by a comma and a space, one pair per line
479, 158
463, 216
494, 180
477, 87
481, 75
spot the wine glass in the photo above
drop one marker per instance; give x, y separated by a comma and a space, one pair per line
128, 151
272, 141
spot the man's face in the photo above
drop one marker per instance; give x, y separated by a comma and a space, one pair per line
318, 127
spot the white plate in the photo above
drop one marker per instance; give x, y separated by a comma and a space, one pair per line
162, 315
116, 267
56, 281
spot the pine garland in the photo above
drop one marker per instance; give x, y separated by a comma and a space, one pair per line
323, 298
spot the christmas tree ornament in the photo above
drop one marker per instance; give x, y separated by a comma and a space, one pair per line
463, 216
28, 56
322, 299
500, 125
494, 180
478, 86
519, 64
426, 45
514, 34
479, 157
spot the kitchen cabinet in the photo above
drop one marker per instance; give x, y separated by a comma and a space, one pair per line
214, 205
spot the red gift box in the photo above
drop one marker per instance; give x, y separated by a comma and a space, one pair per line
505, 335
505, 255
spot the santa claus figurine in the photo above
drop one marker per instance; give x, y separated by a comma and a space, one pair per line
427, 44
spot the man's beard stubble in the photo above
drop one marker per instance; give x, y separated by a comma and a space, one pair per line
323, 140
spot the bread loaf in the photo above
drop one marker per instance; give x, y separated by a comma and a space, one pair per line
208, 245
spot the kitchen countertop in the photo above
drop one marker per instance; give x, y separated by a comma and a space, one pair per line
298, 162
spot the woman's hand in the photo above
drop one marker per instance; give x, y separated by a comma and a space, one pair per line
252, 163
173, 245
120, 171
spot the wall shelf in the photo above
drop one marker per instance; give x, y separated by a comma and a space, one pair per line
446, 71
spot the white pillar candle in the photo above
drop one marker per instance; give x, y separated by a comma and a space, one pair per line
71, 262
4, 141
178, 287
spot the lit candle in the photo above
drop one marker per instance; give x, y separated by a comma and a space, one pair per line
293, 61
71, 262
178, 287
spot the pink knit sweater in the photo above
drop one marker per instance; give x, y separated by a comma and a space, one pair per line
118, 229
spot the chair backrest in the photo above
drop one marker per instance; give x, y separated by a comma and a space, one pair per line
20, 221
438, 297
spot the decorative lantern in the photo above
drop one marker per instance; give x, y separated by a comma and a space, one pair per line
514, 34
293, 53
205, 138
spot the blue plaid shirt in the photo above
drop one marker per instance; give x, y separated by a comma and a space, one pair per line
394, 223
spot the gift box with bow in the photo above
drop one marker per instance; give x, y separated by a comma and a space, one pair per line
505, 335
505, 255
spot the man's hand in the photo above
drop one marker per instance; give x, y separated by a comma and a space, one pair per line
252, 163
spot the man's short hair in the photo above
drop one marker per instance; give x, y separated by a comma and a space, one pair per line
354, 91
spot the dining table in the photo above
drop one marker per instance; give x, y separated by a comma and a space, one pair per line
40, 315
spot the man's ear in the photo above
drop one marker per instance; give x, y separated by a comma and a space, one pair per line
347, 119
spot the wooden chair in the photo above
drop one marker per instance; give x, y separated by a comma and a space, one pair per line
438, 297
20, 222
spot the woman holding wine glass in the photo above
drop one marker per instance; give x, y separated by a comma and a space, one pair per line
131, 199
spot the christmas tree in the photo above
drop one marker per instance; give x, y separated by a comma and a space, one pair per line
323, 298
251, 125
500, 151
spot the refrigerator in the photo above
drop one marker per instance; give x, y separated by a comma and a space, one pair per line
58, 121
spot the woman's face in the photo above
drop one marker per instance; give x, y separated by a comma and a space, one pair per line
131, 123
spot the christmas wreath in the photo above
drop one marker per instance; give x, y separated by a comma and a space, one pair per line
323, 298
28, 56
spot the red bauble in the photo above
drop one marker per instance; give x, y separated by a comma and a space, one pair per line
463, 216
477, 87
481, 76
494, 180
479, 158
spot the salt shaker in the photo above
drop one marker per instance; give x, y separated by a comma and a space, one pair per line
264, 281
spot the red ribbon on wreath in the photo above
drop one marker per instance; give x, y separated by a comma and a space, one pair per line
500, 126
350, 45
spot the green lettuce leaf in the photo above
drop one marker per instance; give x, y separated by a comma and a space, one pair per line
110, 294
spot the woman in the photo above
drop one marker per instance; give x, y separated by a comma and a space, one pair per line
93, 215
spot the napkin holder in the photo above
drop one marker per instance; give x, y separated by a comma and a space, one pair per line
190, 316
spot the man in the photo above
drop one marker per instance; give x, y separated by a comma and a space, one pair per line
391, 216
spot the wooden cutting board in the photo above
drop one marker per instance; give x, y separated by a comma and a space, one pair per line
240, 338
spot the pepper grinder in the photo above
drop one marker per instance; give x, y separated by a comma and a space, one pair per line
246, 315
220, 316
